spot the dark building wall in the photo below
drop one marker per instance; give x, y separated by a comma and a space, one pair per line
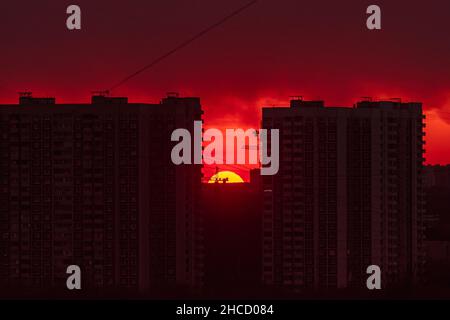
348, 195
437, 193
94, 185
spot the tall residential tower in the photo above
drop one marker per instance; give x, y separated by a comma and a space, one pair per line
348, 195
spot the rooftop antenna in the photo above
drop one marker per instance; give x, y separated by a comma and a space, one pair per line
101, 93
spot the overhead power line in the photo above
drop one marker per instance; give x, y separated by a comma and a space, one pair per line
185, 43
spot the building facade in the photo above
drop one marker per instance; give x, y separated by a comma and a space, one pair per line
348, 195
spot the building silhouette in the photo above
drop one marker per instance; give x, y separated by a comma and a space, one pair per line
437, 188
93, 185
437, 191
348, 195
437, 176
232, 223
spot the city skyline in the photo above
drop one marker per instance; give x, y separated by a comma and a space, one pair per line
321, 50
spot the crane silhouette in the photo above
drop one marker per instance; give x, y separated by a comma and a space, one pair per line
219, 180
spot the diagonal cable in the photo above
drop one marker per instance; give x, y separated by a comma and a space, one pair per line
185, 43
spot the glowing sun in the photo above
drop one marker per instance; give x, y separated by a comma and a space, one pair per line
226, 177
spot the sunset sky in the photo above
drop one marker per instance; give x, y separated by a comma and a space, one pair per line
273, 50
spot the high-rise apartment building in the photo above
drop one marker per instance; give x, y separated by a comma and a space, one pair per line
93, 185
232, 221
348, 195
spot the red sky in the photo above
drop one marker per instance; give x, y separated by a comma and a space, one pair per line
276, 49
